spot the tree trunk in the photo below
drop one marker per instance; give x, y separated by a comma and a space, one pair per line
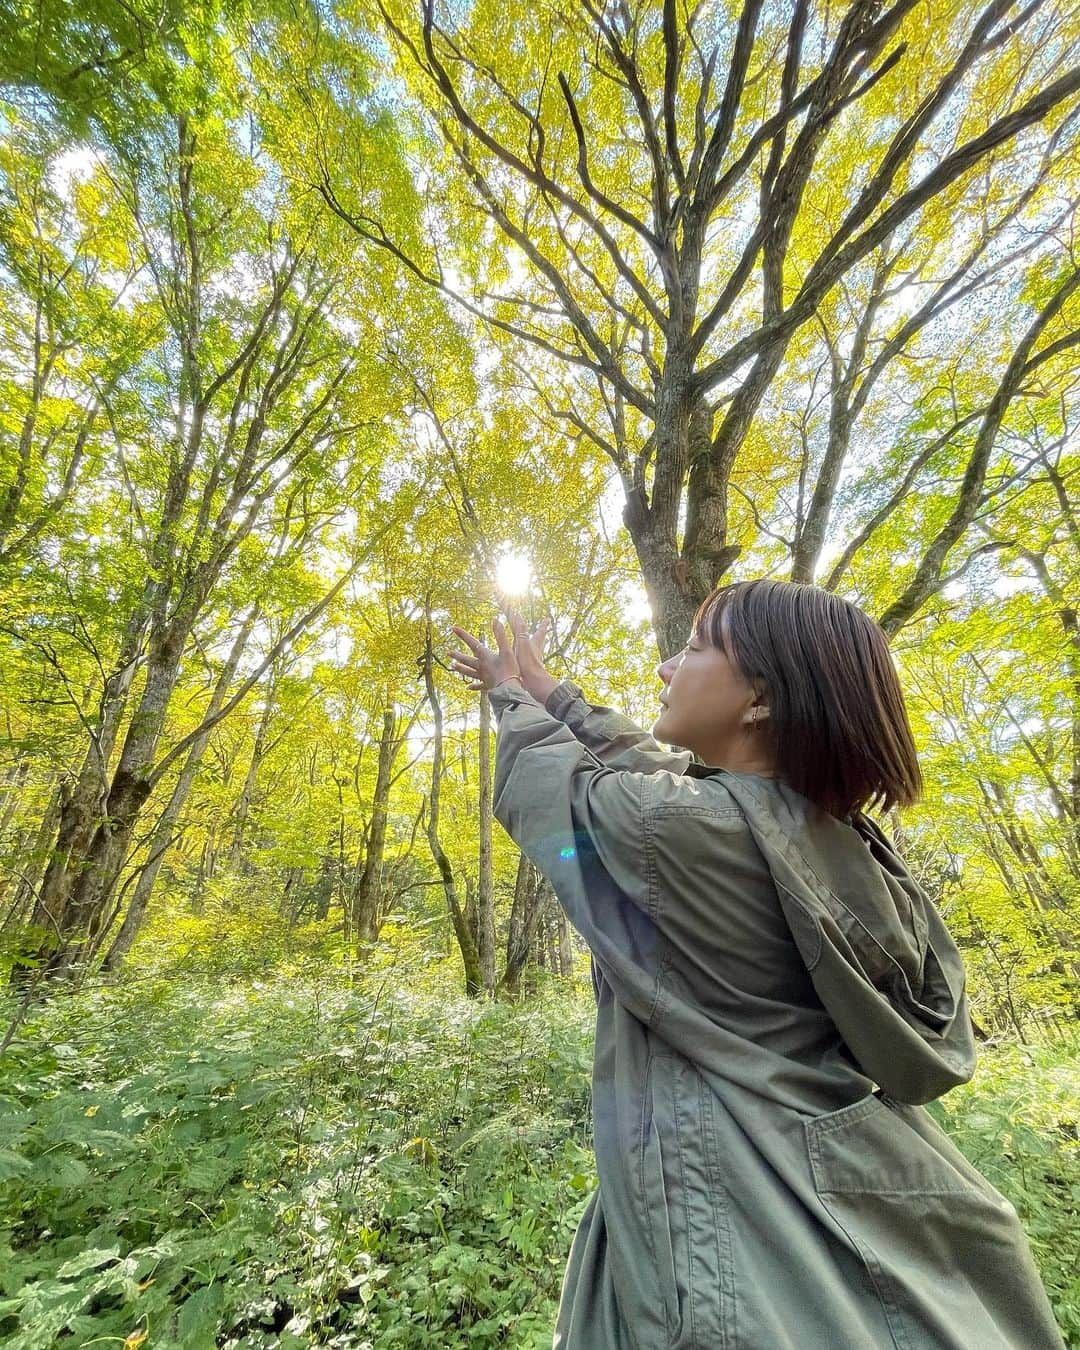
471, 911
78, 807
486, 880
164, 831
77, 924
540, 944
470, 954
566, 951
247, 792
11, 793
1011, 831
551, 933
1067, 615
292, 897
324, 886
207, 870
524, 918
368, 892
33, 857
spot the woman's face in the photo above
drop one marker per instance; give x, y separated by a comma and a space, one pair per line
708, 707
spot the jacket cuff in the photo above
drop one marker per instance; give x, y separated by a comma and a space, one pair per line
561, 697
507, 694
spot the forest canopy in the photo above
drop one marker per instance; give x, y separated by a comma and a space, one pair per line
326, 326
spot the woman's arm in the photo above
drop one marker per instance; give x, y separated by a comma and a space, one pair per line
612, 737
618, 846
559, 802
582, 824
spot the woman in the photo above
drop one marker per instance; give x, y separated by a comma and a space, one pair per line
762, 959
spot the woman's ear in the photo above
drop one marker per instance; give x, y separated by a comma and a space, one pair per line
759, 709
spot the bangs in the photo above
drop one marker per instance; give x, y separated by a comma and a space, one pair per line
709, 619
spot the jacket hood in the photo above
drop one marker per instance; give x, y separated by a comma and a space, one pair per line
879, 954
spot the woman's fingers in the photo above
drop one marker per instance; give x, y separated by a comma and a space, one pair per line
517, 625
474, 644
480, 664
527, 646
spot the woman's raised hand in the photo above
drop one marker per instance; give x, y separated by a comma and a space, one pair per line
529, 650
484, 668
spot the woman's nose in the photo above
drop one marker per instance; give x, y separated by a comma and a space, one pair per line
665, 671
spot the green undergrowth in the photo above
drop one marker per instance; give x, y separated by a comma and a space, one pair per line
288, 1164
1018, 1121
291, 1163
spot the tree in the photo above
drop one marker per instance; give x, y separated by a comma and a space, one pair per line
463, 930
252, 405
663, 272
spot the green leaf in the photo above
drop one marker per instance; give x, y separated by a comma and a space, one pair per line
91, 1259
200, 1315
61, 1170
12, 1164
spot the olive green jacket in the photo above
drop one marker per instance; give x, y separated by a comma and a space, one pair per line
775, 994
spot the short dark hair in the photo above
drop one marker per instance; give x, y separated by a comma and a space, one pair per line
837, 728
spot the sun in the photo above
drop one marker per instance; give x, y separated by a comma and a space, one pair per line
513, 574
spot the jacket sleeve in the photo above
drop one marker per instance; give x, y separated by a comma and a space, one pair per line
612, 738
621, 848
574, 815
584, 824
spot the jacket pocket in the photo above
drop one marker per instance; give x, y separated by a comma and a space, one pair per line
685, 1206
944, 1251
